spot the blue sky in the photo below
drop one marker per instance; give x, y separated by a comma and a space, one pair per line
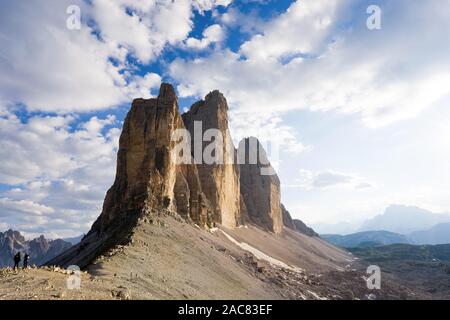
361, 116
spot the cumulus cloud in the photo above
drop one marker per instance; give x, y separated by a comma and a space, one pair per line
60, 170
18, 207
50, 68
212, 34
144, 28
307, 59
247, 23
254, 110
302, 29
206, 5
329, 179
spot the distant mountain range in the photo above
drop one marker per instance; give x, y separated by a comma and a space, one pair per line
438, 234
74, 240
365, 239
39, 249
404, 220
398, 224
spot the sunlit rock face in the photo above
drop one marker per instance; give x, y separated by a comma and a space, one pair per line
148, 176
220, 180
213, 184
260, 191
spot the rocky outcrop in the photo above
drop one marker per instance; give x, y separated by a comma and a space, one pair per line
42, 250
210, 186
301, 227
11, 242
296, 224
288, 222
208, 120
145, 176
260, 191
148, 180
189, 200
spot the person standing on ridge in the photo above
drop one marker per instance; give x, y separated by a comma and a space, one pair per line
16, 260
25, 260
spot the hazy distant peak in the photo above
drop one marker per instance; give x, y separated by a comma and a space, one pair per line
404, 219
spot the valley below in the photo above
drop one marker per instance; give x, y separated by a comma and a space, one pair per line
426, 268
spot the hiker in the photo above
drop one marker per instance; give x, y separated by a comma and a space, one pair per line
25, 261
16, 260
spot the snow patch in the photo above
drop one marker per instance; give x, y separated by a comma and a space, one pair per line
316, 296
261, 255
302, 296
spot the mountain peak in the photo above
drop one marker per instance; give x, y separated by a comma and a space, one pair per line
167, 92
404, 219
149, 182
215, 94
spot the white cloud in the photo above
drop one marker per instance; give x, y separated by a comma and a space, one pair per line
330, 179
212, 34
46, 148
61, 172
11, 207
50, 68
146, 27
142, 86
306, 60
263, 127
46, 66
206, 5
248, 23
301, 29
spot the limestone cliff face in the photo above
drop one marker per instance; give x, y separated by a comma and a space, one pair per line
301, 227
261, 193
149, 179
146, 174
189, 200
287, 219
219, 180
